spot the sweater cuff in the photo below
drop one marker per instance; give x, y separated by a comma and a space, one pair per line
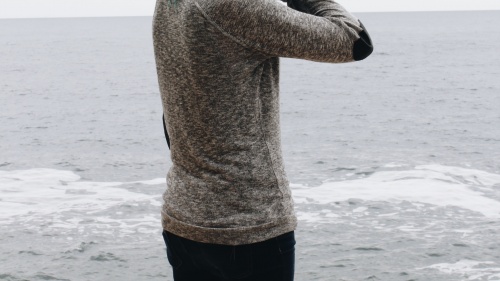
363, 47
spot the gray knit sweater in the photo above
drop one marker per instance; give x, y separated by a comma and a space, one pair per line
218, 71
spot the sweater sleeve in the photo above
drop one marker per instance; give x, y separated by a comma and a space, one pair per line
316, 30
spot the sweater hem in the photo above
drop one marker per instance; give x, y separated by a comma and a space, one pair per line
229, 236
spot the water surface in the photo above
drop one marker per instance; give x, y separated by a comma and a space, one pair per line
393, 160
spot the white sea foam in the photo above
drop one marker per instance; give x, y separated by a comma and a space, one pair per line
472, 270
48, 192
432, 184
28, 194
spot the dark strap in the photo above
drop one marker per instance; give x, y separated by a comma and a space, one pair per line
165, 131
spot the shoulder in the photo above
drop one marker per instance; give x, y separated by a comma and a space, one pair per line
237, 9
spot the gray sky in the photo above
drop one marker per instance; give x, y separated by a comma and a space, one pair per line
97, 8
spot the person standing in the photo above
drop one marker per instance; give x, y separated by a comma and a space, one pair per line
228, 211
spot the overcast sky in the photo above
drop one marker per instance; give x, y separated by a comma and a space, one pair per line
98, 8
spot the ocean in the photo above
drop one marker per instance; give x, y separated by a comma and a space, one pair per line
394, 161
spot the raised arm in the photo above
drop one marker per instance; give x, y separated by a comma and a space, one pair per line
315, 30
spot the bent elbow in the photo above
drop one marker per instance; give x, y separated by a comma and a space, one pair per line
363, 47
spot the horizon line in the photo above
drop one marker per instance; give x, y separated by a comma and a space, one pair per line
128, 16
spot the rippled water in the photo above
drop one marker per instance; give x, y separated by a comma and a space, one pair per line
393, 161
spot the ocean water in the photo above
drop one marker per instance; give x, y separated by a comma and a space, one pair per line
394, 161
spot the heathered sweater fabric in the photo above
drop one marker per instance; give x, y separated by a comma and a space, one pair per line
218, 72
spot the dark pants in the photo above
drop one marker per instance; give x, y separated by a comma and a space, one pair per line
270, 260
